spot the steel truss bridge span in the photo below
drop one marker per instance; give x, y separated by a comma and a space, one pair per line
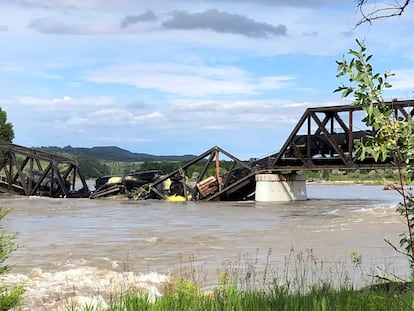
326, 137
29, 171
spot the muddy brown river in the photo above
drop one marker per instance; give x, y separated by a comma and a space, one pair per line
89, 249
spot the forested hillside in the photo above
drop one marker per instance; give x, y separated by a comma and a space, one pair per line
112, 153
100, 161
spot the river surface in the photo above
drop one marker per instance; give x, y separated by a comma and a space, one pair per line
88, 249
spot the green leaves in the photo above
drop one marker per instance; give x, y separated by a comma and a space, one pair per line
368, 85
393, 137
345, 91
6, 128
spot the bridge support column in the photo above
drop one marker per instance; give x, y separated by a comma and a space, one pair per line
280, 188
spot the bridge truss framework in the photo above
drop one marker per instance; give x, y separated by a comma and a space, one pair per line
29, 171
325, 138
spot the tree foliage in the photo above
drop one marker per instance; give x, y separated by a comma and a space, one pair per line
6, 128
9, 297
366, 88
392, 137
91, 167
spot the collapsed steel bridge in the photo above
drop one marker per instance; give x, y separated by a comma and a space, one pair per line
28, 171
324, 138
238, 183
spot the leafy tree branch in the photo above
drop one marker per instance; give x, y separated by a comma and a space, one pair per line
391, 137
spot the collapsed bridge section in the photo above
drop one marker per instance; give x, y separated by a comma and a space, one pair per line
28, 171
324, 138
212, 183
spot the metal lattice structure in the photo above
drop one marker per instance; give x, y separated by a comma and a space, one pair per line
28, 171
325, 138
236, 184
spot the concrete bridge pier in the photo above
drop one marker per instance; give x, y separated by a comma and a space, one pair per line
280, 187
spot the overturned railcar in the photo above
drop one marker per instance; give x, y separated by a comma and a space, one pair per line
211, 184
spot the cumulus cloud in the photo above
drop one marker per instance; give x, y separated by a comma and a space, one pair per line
148, 16
189, 80
402, 80
54, 5
308, 3
54, 26
48, 25
230, 114
223, 22
3, 27
119, 4
117, 116
64, 103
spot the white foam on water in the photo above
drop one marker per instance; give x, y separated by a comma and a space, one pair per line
152, 239
82, 286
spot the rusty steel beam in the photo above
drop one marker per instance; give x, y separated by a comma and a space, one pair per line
308, 148
55, 175
226, 184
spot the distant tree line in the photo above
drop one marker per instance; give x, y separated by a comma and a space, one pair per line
357, 176
92, 168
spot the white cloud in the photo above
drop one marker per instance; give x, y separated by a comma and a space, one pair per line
63, 104
121, 139
403, 79
120, 117
189, 80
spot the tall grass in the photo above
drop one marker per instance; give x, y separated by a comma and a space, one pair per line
306, 283
276, 298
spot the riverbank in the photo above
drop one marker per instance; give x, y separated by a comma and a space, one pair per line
342, 182
185, 297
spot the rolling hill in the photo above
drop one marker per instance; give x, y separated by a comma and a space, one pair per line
112, 153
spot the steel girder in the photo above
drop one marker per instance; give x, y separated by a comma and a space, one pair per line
325, 138
29, 171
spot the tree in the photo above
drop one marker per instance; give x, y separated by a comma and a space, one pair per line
9, 297
91, 167
393, 137
381, 10
6, 128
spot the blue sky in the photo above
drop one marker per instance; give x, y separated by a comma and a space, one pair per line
178, 77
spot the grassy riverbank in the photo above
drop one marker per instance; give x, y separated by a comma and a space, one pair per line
185, 296
360, 176
306, 284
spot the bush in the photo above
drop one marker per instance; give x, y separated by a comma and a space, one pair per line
9, 297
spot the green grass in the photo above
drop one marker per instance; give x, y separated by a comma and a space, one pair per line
183, 296
305, 284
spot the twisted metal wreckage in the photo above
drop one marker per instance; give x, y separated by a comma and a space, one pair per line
324, 138
27, 171
237, 184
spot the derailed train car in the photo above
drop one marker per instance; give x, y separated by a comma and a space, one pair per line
322, 145
211, 184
